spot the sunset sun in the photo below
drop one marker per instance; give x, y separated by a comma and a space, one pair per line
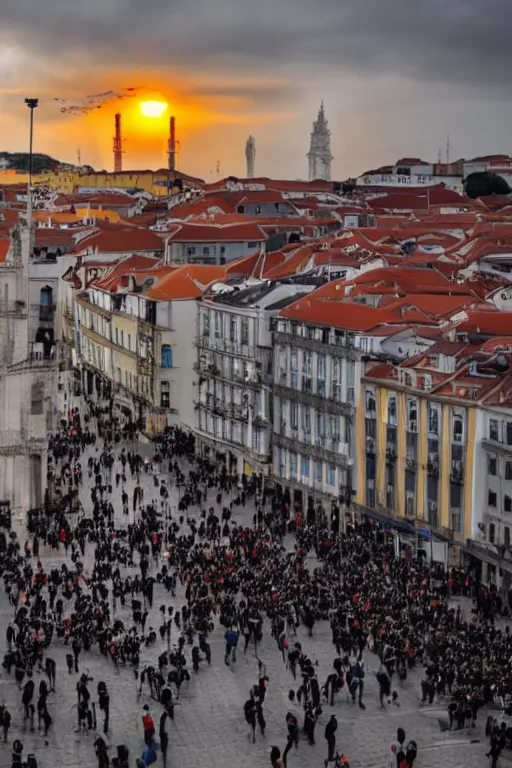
152, 108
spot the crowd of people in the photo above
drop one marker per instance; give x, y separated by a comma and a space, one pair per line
272, 575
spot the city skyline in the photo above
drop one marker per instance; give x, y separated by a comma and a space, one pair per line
394, 83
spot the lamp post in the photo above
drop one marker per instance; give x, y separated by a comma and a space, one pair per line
31, 104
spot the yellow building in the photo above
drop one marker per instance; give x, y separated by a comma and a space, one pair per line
155, 182
415, 442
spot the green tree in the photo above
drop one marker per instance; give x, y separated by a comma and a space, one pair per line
484, 184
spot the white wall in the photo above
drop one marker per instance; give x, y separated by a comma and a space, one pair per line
184, 356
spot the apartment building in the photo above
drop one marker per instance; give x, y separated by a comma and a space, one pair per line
234, 370
317, 372
134, 338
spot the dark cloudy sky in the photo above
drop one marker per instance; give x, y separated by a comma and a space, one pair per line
396, 76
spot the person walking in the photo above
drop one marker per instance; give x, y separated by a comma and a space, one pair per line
330, 736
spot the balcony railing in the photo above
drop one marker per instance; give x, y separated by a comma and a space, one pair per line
14, 308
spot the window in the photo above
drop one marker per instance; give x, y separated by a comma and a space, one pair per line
433, 419
320, 427
336, 380
294, 416
320, 375
508, 470
244, 331
206, 250
351, 389
371, 406
507, 504
506, 536
293, 368
492, 499
165, 394
306, 423
121, 338
493, 429
492, 466
117, 336
334, 428
412, 415
191, 251
319, 473
256, 440
306, 372
304, 466
331, 475
217, 324
293, 464
508, 432
392, 410
253, 244
36, 399
492, 532
206, 323
457, 426
282, 462
129, 341
166, 356
233, 329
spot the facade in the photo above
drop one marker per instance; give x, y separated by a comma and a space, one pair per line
233, 371
316, 387
213, 244
27, 384
319, 155
415, 454
133, 337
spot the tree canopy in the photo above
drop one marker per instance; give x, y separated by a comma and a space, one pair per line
484, 184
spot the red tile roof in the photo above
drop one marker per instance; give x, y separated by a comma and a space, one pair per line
187, 282
121, 268
4, 248
121, 240
213, 233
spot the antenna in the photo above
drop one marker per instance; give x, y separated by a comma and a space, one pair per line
439, 160
448, 149
118, 145
218, 170
78, 156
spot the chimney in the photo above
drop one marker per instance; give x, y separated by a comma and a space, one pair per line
118, 145
172, 144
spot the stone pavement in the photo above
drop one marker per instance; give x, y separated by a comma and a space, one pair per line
209, 728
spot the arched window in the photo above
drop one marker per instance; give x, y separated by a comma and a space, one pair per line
166, 356
46, 296
46, 303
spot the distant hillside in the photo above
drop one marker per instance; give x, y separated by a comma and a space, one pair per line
18, 161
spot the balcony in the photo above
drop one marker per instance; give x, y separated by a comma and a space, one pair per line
433, 464
496, 446
457, 472
315, 401
328, 451
13, 308
337, 346
46, 312
245, 351
391, 452
370, 445
411, 463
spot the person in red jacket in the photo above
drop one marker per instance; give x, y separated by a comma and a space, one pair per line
149, 726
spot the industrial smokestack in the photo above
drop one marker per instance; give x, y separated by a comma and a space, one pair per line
250, 156
118, 145
172, 145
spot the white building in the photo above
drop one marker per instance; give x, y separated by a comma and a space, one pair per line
319, 155
491, 535
27, 386
234, 370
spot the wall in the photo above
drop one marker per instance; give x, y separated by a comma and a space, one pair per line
184, 357
179, 252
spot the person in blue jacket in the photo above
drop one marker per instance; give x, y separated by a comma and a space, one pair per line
231, 638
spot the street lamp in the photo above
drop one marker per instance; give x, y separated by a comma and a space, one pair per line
31, 104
